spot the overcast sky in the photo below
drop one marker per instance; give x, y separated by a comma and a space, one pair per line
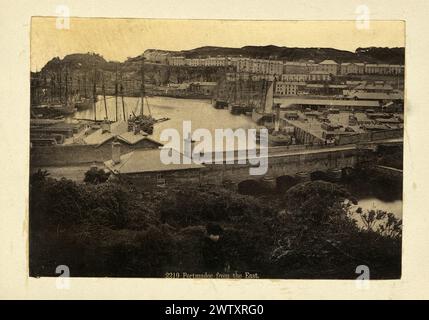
117, 39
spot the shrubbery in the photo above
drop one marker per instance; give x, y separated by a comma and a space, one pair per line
109, 229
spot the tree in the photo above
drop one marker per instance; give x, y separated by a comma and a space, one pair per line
96, 176
317, 201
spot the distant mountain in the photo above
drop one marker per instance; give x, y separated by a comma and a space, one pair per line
386, 55
371, 54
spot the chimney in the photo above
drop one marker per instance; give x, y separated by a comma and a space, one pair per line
116, 152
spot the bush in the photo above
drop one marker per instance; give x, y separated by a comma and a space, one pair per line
111, 230
96, 176
316, 201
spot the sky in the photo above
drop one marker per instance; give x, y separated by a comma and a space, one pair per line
117, 39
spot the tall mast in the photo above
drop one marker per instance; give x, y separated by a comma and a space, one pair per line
142, 93
236, 90
53, 92
121, 88
60, 85
79, 85
66, 93
104, 98
94, 95
116, 94
84, 85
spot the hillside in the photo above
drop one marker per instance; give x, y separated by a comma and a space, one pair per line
372, 54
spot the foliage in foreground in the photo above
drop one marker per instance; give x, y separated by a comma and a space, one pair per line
109, 229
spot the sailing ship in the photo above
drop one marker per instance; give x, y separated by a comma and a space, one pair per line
268, 115
278, 137
140, 121
238, 106
263, 113
82, 99
55, 102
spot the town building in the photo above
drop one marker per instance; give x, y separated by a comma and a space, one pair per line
156, 56
297, 67
329, 66
202, 88
92, 145
177, 61
326, 104
384, 69
352, 68
146, 170
319, 75
295, 77
283, 88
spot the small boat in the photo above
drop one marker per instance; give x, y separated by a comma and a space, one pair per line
279, 139
163, 119
236, 109
220, 104
67, 108
54, 110
142, 123
83, 103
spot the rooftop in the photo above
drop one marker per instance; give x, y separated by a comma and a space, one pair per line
326, 62
205, 83
329, 102
99, 137
141, 161
119, 130
375, 95
318, 72
376, 86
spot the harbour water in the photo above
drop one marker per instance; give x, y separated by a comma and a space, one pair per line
199, 112
373, 203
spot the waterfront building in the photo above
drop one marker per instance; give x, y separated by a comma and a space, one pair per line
283, 88
146, 170
202, 88
377, 86
295, 77
319, 75
91, 145
378, 96
325, 104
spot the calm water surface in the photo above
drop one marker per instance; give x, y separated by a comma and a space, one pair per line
200, 112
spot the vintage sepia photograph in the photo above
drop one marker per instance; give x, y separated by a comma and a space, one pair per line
216, 149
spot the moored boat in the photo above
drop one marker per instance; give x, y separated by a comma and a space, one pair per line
279, 139
83, 103
220, 104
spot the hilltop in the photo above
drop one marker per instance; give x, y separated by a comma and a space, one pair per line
371, 54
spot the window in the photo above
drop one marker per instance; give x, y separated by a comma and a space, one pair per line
160, 180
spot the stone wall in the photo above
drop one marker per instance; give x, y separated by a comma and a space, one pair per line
370, 136
65, 155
